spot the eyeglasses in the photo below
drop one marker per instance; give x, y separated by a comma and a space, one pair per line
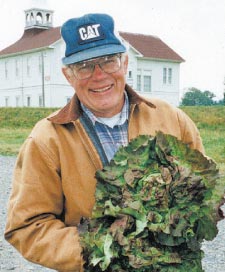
109, 64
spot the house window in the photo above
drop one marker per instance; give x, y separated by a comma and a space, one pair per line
139, 83
40, 64
147, 83
28, 67
130, 74
40, 100
6, 70
28, 101
170, 75
164, 75
6, 101
17, 101
16, 68
167, 75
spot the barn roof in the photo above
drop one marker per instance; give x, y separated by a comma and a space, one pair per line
149, 46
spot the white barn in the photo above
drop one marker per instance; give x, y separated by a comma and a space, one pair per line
30, 69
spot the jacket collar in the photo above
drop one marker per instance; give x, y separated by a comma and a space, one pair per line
73, 110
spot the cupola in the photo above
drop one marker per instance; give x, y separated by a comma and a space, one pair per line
38, 18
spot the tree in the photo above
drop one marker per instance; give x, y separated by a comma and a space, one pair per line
195, 97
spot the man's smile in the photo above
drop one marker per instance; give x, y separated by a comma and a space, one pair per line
101, 90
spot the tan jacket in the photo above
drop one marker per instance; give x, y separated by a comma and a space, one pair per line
54, 184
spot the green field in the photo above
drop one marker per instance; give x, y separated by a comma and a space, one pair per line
211, 124
16, 124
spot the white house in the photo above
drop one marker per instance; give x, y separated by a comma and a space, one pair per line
30, 69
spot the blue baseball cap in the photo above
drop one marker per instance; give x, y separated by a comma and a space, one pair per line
90, 36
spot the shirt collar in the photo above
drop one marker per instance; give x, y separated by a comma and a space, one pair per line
73, 109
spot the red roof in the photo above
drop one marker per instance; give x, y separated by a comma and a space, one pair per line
151, 46
148, 46
32, 39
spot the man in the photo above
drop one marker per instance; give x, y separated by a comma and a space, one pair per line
54, 184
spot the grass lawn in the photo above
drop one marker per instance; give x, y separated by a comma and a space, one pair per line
214, 143
11, 139
16, 124
211, 124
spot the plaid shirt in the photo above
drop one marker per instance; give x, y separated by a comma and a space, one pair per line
111, 138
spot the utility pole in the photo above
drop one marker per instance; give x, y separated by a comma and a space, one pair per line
22, 79
43, 78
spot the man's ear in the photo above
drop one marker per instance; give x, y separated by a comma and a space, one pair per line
68, 74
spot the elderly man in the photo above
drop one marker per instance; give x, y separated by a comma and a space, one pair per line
54, 178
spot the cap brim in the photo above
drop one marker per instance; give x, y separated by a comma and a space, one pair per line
94, 53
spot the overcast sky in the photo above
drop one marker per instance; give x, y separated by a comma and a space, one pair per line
195, 29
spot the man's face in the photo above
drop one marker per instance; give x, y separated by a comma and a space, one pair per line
102, 92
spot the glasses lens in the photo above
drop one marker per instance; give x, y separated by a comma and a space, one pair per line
83, 70
109, 64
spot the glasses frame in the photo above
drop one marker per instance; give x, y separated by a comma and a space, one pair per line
94, 63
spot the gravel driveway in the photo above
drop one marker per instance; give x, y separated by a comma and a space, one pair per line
10, 260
